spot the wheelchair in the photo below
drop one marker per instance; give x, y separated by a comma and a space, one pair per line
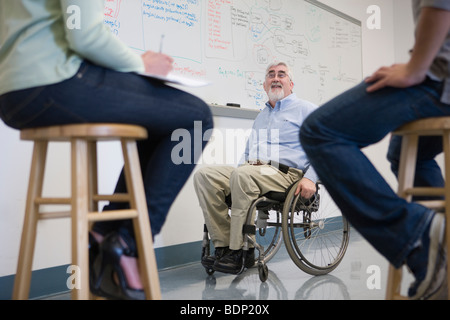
315, 233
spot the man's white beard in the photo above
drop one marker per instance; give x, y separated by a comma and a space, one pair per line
276, 95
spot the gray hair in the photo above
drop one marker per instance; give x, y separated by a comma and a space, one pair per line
276, 64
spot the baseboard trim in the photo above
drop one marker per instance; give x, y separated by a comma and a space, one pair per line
51, 281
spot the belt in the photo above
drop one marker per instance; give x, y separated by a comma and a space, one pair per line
258, 163
283, 168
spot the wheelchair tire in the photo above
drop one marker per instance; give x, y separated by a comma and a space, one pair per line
315, 234
263, 271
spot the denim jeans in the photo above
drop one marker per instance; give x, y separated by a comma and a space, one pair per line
99, 95
333, 137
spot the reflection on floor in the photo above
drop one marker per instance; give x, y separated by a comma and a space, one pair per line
362, 275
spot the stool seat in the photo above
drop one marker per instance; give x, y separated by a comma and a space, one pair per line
97, 132
425, 127
410, 132
84, 200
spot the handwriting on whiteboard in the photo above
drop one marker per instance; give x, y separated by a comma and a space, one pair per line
231, 42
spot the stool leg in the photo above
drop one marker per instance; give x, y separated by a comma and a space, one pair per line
22, 279
141, 224
80, 224
92, 175
394, 283
407, 168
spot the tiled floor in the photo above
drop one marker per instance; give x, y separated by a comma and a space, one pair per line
361, 275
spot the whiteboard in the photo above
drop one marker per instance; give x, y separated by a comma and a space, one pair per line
229, 43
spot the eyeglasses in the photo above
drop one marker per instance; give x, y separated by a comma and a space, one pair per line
280, 74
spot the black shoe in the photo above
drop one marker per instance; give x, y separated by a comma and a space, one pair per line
94, 252
233, 261
108, 266
208, 261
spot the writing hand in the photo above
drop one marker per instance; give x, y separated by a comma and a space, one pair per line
157, 63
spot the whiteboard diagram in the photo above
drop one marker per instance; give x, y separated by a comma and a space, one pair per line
230, 43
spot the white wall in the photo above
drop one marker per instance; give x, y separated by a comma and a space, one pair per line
184, 224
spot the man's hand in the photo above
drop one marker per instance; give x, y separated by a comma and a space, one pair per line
157, 63
306, 188
432, 29
397, 76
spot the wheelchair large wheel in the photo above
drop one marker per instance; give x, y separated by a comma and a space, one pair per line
315, 233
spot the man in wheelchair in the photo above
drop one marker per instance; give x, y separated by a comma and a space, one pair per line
277, 128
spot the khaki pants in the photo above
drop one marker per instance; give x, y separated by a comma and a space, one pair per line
245, 184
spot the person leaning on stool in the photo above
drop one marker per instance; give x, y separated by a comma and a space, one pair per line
405, 233
51, 74
273, 161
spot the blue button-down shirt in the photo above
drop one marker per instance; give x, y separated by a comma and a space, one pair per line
276, 135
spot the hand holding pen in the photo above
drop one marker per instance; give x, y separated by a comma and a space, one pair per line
157, 63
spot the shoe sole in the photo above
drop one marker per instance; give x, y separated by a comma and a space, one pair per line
439, 292
437, 234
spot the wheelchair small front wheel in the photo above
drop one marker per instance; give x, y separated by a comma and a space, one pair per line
263, 271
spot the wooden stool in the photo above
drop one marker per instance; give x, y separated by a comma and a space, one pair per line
411, 133
84, 200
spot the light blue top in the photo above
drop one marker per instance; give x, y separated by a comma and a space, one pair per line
45, 41
276, 135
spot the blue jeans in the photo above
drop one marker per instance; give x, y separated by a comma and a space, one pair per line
96, 95
333, 137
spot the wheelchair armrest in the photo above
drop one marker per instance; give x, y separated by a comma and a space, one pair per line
277, 196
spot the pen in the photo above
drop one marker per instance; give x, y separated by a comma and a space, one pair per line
161, 43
